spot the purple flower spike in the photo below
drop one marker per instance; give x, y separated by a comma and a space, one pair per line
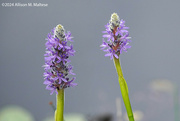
117, 37
56, 60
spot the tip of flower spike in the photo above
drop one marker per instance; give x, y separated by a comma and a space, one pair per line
115, 19
59, 27
59, 32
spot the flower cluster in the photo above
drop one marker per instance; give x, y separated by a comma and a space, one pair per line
57, 60
117, 37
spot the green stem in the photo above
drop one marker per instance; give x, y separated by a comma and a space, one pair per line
124, 89
60, 105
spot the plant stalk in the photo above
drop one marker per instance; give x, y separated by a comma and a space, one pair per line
60, 105
124, 89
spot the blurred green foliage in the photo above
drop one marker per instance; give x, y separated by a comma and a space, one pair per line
15, 113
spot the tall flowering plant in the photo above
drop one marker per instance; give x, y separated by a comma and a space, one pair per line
117, 41
57, 67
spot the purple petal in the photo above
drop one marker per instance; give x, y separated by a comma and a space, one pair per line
108, 54
116, 56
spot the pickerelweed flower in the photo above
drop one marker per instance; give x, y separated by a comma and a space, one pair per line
117, 37
57, 67
117, 41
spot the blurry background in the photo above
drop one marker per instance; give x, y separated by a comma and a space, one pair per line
151, 66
